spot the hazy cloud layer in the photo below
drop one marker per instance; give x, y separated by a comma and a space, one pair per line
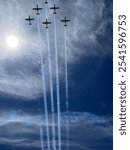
20, 73
19, 129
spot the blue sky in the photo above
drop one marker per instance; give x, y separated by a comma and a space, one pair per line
90, 74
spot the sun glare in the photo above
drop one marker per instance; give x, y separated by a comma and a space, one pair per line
12, 41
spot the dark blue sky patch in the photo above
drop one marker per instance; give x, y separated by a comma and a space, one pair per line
92, 90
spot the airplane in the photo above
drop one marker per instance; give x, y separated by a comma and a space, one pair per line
46, 23
29, 19
54, 8
46, 2
37, 9
65, 21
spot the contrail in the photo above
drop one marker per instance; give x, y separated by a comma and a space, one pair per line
66, 90
51, 93
41, 137
51, 86
41, 131
57, 84
44, 87
66, 70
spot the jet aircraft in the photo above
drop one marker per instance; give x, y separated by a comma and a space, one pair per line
29, 19
46, 2
46, 23
54, 8
65, 21
37, 8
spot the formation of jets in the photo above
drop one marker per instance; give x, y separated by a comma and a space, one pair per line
37, 9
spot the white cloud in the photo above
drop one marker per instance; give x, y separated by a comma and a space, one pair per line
19, 129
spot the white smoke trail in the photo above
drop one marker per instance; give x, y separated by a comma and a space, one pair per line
41, 137
66, 69
44, 87
51, 85
66, 88
57, 84
51, 93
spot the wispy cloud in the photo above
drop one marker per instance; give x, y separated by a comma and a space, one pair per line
22, 130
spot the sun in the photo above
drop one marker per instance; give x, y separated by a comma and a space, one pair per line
12, 41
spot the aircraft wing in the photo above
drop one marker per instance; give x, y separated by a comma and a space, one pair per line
57, 7
52, 7
29, 19
46, 22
